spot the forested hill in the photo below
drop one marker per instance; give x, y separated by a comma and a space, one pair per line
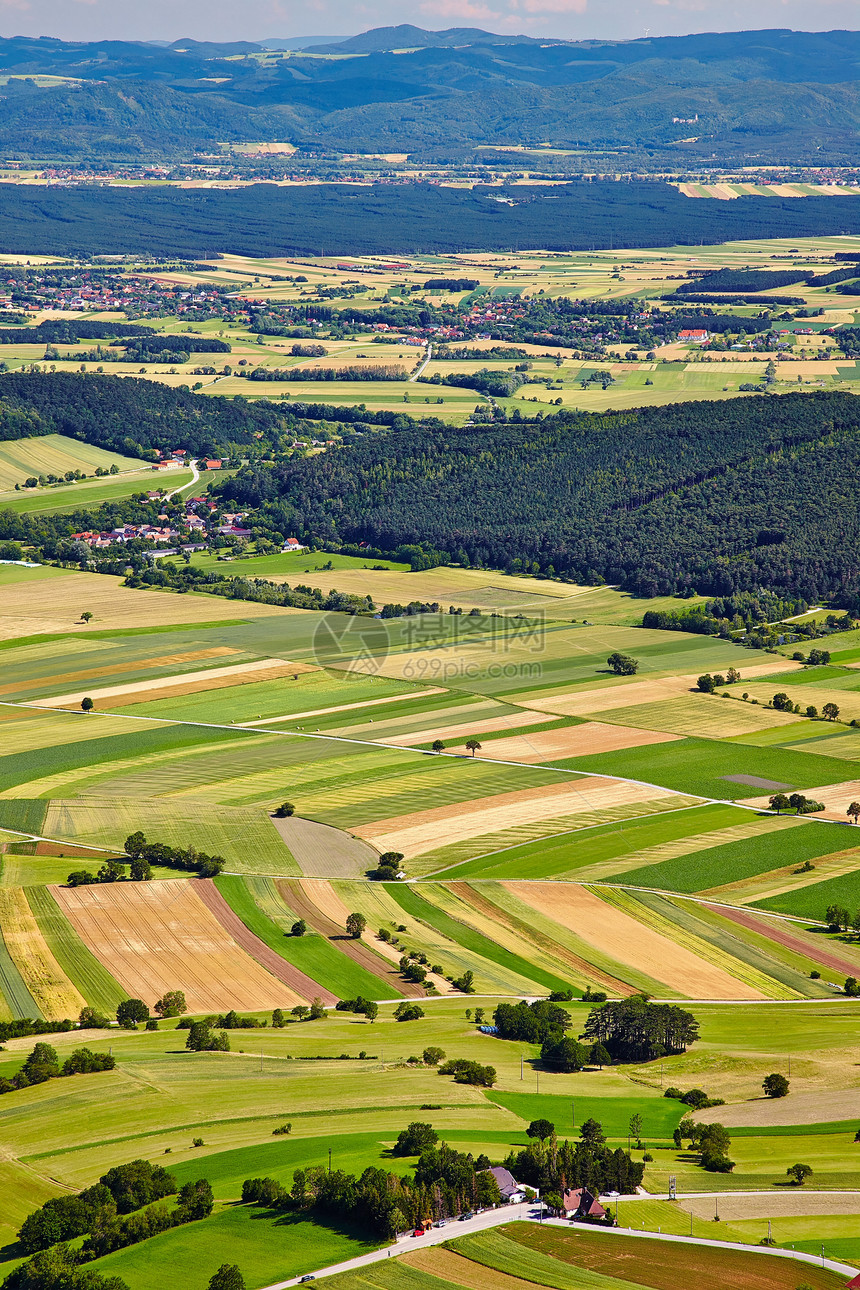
719, 496
129, 414
793, 94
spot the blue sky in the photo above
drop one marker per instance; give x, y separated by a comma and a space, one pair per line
258, 19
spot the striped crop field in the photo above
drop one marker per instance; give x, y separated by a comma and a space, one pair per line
603, 846
454, 947
55, 995
162, 936
259, 904
81, 966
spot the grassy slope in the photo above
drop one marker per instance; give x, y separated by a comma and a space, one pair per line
660, 1115
569, 854
812, 901
267, 1246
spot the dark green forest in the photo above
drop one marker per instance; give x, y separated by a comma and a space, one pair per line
717, 497
337, 219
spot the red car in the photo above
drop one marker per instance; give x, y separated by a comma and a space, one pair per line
419, 1231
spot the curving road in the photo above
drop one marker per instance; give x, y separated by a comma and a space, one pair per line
195, 475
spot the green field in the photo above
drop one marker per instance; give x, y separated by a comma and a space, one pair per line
54, 454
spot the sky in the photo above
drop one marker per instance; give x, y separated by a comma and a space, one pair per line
260, 19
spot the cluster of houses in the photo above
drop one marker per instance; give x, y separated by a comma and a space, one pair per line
579, 1204
193, 534
108, 291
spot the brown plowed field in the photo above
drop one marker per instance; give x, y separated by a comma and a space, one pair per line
667, 1265
299, 898
303, 985
774, 932
630, 942
159, 936
479, 901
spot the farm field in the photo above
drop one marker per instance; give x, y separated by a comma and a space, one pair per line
54, 454
609, 834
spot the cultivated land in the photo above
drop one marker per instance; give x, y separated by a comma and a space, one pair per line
609, 833
638, 375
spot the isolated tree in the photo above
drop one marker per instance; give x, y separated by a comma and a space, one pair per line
540, 1129
853, 811
130, 1012
779, 802
371, 1010
284, 811
775, 1085
706, 683
634, 1128
812, 712
473, 746
355, 925
782, 702
830, 711
228, 1277
172, 1004
317, 1009
438, 746
851, 987
799, 1173
797, 801
86, 616
433, 1056
86, 705
278, 1019
623, 664
299, 927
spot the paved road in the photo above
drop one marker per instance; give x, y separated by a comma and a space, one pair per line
195, 475
512, 1213
419, 371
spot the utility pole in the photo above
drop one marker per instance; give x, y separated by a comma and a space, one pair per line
573, 1113
521, 1067
329, 1159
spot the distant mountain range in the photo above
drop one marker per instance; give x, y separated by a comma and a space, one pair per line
781, 96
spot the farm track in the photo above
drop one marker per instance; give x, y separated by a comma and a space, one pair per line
298, 900
296, 980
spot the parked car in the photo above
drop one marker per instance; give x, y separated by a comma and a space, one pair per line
442, 1222
465, 1217
307, 1277
419, 1231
